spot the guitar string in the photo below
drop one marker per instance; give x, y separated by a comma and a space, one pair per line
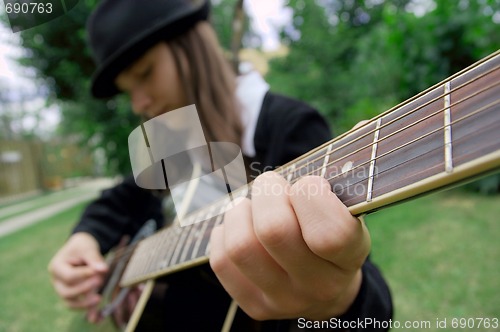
413, 141
380, 140
346, 202
465, 137
482, 109
415, 110
372, 121
202, 211
296, 169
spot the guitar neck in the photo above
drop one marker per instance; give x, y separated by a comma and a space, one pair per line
446, 134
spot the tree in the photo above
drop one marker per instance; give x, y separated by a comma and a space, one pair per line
59, 53
356, 59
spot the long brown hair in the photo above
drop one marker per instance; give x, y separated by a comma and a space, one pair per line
209, 83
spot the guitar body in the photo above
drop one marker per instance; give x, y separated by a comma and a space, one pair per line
191, 300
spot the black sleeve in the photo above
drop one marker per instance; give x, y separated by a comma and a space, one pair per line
287, 129
118, 211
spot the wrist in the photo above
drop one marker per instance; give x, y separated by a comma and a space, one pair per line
342, 302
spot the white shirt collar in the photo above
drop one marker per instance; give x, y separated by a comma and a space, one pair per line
250, 91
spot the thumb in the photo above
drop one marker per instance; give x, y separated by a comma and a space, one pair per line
95, 260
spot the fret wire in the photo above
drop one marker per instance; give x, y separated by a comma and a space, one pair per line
180, 245
408, 113
172, 239
211, 214
189, 242
293, 166
325, 162
292, 171
372, 162
465, 137
163, 262
200, 239
147, 261
218, 221
402, 116
447, 130
406, 127
421, 137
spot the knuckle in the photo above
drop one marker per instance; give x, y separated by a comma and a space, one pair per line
272, 231
240, 247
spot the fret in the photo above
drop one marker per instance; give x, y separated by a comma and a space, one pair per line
193, 232
150, 252
448, 159
290, 172
310, 165
171, 240
180, 245
472, 137
164, 259
141, 254
348, 171
371, 171
200, 236
326, 160
206, 238
190, 241
406, 154
412, 144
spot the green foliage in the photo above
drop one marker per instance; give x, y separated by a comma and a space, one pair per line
357, 58
58, 51
354, 59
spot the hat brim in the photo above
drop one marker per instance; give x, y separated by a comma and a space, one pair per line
103, 80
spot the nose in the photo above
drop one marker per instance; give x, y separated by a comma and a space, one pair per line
141, 101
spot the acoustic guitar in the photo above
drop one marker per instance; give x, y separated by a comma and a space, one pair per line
448, 134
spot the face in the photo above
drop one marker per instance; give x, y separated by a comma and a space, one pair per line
153, 83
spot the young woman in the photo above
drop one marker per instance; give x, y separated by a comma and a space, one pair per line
288, 256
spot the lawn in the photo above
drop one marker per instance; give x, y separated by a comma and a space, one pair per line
439, 253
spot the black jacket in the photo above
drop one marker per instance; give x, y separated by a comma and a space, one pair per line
286, 129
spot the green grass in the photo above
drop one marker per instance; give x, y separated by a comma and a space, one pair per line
28, 302
32, 203
439, 254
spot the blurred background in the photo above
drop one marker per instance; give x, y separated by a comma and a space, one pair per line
351, 59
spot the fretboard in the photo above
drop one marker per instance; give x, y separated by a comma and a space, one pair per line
445, 135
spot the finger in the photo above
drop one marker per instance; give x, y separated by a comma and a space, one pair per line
94, 315
71, 274
241, 289
95, 260
85, 301
70, 292
328, 228
280, 233
247, 253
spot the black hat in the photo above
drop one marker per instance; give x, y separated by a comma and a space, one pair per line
120, 31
